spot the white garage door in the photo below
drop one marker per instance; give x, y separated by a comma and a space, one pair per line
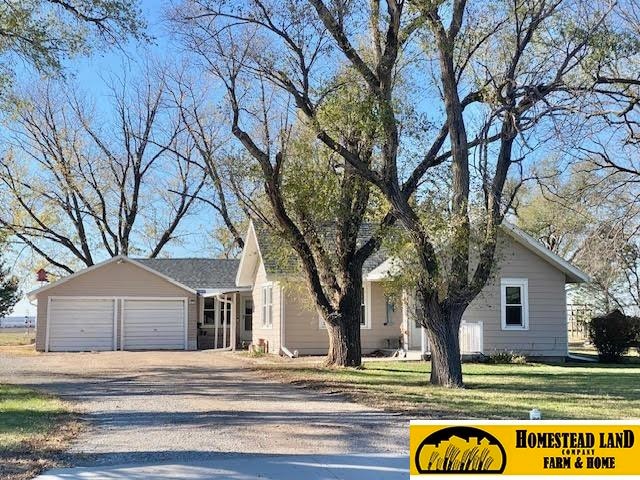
80, 325
153, 325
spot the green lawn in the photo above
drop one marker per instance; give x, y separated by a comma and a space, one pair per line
34, 429
492, 391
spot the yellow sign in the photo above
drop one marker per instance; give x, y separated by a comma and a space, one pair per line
524, 448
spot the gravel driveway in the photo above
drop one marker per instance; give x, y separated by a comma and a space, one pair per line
181, 406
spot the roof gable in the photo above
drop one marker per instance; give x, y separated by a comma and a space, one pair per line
120, 258
572, 273
263, 246
250, 258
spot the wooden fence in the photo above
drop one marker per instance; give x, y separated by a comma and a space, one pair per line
578, 317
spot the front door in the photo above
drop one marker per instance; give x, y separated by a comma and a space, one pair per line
246, 318
215, 330
415, 333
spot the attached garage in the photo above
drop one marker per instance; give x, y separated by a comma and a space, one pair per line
81, 324
120, 304
154, 324
133, 304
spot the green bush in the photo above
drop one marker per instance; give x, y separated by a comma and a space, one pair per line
505, 357
612, 335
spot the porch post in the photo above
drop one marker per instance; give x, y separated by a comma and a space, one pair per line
225, 311
215, 322
234, 320
405, 321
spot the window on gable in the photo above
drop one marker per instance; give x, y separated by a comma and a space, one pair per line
514, 303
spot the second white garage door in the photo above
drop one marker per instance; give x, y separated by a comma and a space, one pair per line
153, 324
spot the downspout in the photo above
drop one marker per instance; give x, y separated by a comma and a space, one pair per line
283, 350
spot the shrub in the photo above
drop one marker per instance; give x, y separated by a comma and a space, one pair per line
612, 335
505, 357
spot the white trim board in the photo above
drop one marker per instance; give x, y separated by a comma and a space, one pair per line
242, 277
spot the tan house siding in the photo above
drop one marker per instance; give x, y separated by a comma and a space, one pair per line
546, 336
547, 333
117, 280
302, 330
271, 336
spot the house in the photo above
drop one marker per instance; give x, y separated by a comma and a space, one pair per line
195, 303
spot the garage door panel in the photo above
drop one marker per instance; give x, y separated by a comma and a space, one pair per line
153, 324
76, 344
152, 317
63, 330
154, 304
139, 329
81, 324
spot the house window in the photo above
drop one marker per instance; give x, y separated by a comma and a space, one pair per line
390, 309
209, 311
247, 314
365, 309
364, 321
514, 296
267, 306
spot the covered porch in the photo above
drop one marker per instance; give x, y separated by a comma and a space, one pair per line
224, 319
415, 338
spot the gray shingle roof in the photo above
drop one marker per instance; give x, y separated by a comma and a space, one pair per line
196, 273
279, 258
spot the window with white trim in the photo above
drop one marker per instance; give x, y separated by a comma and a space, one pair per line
364, 320
514, 303
267, 306
209, 311
247, 314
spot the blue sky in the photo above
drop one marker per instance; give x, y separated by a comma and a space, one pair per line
89, 72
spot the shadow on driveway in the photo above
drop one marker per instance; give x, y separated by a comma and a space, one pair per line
248, 467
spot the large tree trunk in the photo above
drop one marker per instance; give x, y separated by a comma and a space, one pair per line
343, 327
344, 343
443, 329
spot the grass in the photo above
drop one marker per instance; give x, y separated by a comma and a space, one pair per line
35, 429
16, 341
571, 391
16, 336
632, 356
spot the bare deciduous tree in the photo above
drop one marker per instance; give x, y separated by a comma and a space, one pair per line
492, 72
204, 124
325, 233
79, 190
